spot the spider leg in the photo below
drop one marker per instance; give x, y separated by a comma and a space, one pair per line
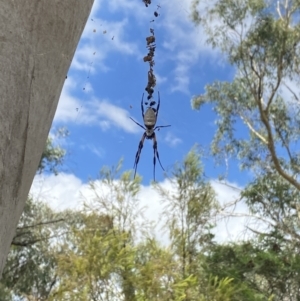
161, 126
155, 155
157, 109
138, 153
137, 123
142, 107
158, 104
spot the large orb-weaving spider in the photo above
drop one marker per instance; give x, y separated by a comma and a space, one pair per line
150, 118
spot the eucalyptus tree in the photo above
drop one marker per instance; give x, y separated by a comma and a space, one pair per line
112, 254
53, 155
99, 258
30, 272
277, 262
188, 210
38, 41
257, 112
189, 205
93, 261
258, 121
258, 273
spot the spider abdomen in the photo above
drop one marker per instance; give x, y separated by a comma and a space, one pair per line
150, 118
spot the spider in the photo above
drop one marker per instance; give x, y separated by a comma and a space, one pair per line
150, 118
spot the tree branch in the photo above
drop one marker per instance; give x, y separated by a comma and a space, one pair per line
265, 121
33, 241
263, 139
271, 147
41, 223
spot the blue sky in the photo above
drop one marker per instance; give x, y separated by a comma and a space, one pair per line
107, 78
104, 87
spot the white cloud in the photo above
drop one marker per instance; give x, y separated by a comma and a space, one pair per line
135, 8
160, 79
59, 192
172, 140
70, 108
97, 150
67, 191
290, 92
91, 112
86, 58
100, 39
229, 226
115, 116
104, 124
96, 8
235, 220
185, 42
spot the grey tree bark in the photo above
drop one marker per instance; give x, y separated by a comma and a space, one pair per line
38, 39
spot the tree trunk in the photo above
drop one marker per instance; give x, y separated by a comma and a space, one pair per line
37, 42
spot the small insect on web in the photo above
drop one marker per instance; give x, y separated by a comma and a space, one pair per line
149, 118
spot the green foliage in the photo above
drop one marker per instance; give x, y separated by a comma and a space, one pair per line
221, 289
30, 268
258, 123
277, 202
188, 210
185, 289
93, 261
5, 294
155, 271
29, 273
115, 194
99, 258
261, 271
53, 155
106, 251
261, 41
274, 198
